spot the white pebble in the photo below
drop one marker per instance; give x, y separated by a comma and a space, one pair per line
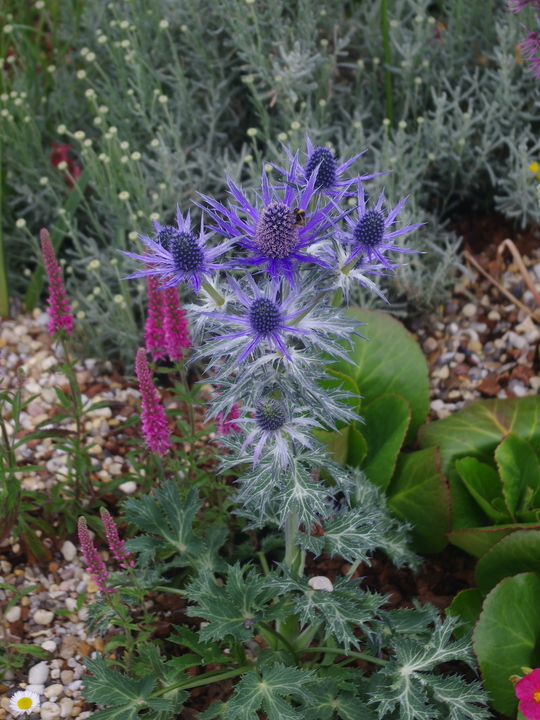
320, 582
43, 617
75, 685
49, 646
69, 551
38, 674
53, 691
516, 340
129, 487
437, 405
66, 706
38, 689
50, 711
469, 310
494, 316
13, 614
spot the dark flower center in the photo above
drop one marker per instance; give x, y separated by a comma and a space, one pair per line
369, 230
185, 251
277, 232
326, 174
165, 235
264, 316
270, 415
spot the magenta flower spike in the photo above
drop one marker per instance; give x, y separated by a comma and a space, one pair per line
175, 325
154, 422
116, 545
226, 425
59, 307
96, 566
154, 329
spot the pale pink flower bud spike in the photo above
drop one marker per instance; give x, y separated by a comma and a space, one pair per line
59, 307
116, 545
96, 566
154, 421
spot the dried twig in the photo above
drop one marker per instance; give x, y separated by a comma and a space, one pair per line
521, 265
500, 288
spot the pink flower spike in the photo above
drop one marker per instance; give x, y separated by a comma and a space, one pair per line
116, 545
96, 566
154, 329
176, 327
154, 422
528, 693
227, 426
59, 307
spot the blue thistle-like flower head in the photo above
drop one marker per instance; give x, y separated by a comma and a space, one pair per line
370, 234
279, 228
270, 415
178, 254
322, 166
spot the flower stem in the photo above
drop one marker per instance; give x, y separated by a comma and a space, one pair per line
386, 55
220, 300
203, 680
348, 653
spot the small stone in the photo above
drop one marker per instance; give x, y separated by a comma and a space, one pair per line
69, 551
430, 345
129, 487
13, 614
516, 340
494, 316
38, 674
469, 310
489, 386
66, 676
6, 566
320, 582
92, 587
534, 382
38, 689
50, 711
49, 646
84, 648
436, 405
475, 346
53, 691
66, 707
443, 373
43, 617
69, 646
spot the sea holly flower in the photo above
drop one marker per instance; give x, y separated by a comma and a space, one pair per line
322, 163
24, 702
61, 319
275, 425
370, 233
154, 421
178, 254
279, 228
528, 693
96, 566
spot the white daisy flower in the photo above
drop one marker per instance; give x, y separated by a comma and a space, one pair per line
24, 702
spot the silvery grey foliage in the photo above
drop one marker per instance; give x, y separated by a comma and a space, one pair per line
155, 102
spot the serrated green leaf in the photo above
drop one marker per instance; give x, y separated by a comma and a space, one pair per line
208, 651
183, 662
109, 687
267, 694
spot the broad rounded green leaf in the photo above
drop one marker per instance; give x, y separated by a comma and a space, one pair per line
466, 512
477, 429
507, 637
357, 446
386, 421
467, 606
389, 361
419, 494
477, 541
516, 553
484, 485
520, 472
340, 380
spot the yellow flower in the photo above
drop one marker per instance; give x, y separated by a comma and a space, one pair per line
534, 167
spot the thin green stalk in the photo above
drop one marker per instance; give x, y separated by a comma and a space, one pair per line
282, 639
386, 56
348, 653
215, 676
4, 295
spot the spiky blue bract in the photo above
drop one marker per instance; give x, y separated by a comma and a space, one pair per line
370, 233
178, 254
270, 229
328, 173
270, 322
